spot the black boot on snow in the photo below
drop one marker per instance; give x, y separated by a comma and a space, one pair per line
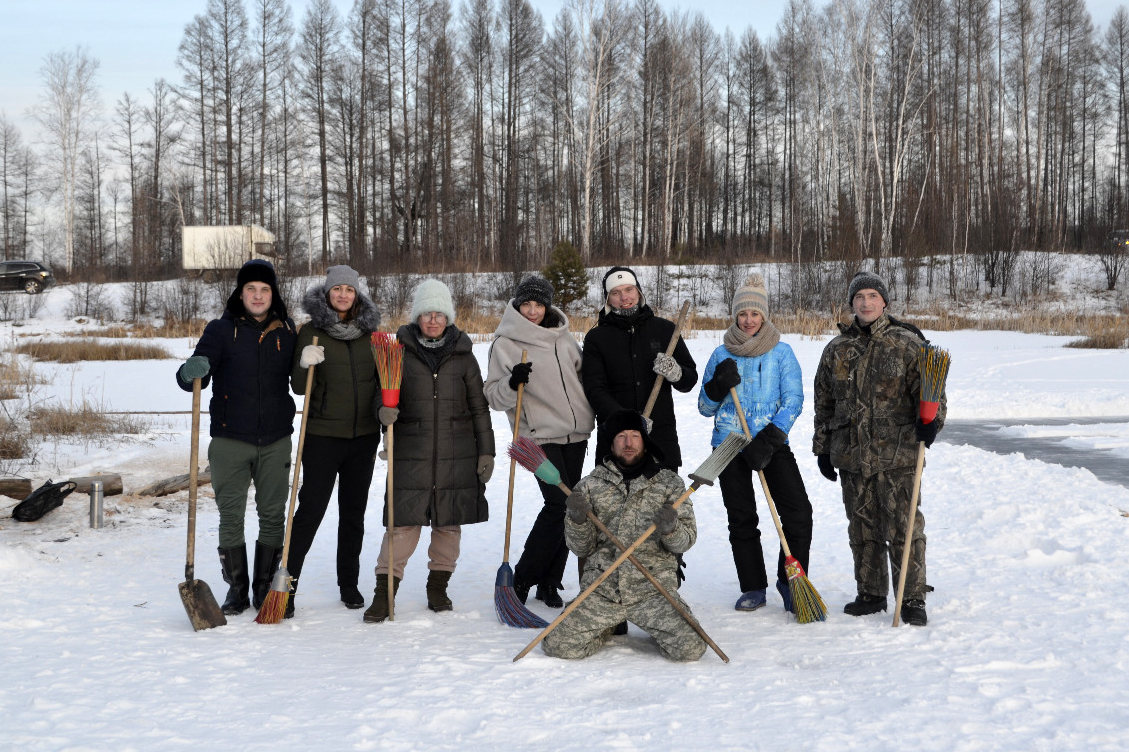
865, 604
548, 595
267, 561
233, 565
289, 613
352, 597
378, 611
913, 612
437, 599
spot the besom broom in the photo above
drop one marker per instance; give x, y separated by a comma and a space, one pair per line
389, 355
274, 605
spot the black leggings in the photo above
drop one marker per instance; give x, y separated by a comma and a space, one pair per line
543, 560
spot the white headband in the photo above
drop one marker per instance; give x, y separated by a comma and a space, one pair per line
619, 278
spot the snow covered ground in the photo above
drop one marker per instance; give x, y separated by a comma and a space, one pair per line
1026, 648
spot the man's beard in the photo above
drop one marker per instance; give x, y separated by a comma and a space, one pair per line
629, 463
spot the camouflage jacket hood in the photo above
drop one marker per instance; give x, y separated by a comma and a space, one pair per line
867, 390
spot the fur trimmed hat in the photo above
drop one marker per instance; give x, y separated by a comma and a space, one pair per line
867, 281
342, 275
751, 296
256, 270
433, 295
631, 420
536, 289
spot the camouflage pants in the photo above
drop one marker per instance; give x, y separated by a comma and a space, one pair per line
876, 509
587, 628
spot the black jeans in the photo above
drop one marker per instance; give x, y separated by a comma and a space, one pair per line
543, 560
792, 504
327, 460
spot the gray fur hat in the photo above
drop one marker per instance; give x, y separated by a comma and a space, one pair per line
433, 295
867, 281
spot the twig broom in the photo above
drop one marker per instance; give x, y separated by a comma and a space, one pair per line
274, 605
389, 355
933, 363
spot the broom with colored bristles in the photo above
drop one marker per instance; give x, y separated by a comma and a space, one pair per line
511, 611
933, 363
806, 603
274, 605
389, 355
532, 457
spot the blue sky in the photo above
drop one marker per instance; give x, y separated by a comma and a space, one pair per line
136, 40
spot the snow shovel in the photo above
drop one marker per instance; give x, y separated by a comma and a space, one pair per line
511, 611
203, 611
706, 474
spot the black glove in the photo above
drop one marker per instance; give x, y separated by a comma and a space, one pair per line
759, 452
520, 375
578, 507
725, 377
825, 467
925, 432
666, 519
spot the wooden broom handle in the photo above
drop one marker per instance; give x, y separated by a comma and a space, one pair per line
513, 466
669, 351
909, 532
775, 516
298, 461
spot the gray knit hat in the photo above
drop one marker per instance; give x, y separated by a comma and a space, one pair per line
433, 295
867, 281
342, 275
752, 295
536, 289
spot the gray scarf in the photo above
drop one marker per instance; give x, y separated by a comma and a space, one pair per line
345, 330
743, 346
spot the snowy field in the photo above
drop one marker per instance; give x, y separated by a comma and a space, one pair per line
1026, 649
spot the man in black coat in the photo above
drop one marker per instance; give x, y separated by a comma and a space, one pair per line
247, 354
622, 355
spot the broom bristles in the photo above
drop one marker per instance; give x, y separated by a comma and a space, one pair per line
527, 453
389, 355
933, 363
806, 603
273, 608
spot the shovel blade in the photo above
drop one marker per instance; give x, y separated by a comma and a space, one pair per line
203, 611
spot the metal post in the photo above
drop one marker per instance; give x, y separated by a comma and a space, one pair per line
96, 505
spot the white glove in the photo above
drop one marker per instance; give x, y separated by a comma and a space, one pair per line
311, 356
667, 367
649, 423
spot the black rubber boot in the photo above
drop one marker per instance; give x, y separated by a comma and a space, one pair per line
865, 604
267, 561
437, 599
378, 611
233, 565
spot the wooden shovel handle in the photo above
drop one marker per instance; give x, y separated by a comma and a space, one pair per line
513, 466
193, 477
669, 351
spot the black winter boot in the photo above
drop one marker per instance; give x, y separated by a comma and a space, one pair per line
865, 604
913, 612
290, 599
548, 595
267, 561
437, 599
378, 611
352, 597
233, 565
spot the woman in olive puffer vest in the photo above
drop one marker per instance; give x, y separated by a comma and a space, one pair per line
443, 450
342, 432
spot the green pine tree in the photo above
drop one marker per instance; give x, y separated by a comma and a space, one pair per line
565, 272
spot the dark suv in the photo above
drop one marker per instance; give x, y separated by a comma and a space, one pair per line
29, 276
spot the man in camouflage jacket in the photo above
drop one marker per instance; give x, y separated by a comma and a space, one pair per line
867, 390
629, 492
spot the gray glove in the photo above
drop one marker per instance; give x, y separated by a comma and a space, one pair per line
578, 507
667, 367
666, 519
387, 415
196, 367
485, 467
311, 356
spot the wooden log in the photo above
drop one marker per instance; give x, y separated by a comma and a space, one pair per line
174, 484
16, 488
111, 484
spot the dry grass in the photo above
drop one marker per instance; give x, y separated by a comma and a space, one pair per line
15, 443
89, 349
17, 378
85, 420
167, 330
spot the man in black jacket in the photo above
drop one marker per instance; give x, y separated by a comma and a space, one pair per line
622, 355
248, 353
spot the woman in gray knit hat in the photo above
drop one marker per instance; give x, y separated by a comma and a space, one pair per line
554, 413
767, 377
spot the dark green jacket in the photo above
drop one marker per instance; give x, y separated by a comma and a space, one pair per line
346, 389
443, 427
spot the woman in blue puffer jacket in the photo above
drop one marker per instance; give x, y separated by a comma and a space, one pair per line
767, 377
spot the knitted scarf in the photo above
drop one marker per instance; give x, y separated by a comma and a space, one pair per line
743, 346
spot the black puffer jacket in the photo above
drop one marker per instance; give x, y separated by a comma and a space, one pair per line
619, 353
250, 367
346, 384
444, 426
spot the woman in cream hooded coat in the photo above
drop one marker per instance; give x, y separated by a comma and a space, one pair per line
555, 414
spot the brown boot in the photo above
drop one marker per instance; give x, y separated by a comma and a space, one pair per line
378, 611
437, 599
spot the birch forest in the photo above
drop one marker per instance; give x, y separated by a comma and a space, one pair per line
421, 135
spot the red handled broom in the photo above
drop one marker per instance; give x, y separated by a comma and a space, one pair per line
389, 355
